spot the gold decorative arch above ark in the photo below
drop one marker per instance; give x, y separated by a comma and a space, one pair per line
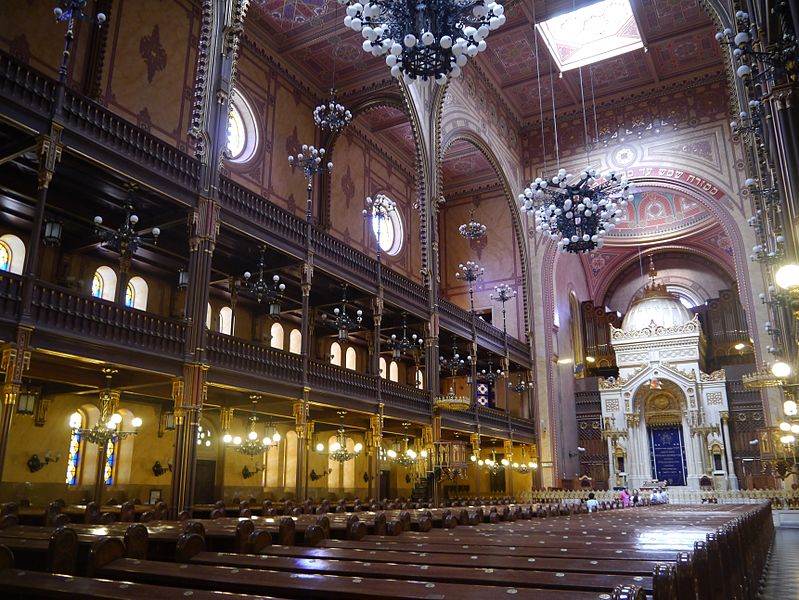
662, 400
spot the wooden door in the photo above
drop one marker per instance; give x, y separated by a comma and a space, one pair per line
204, 482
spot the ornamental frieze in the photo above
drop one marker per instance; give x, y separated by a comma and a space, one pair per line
655, 330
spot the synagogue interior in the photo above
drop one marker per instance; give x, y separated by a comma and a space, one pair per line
411, 265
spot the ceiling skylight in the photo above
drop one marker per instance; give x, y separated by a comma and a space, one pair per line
591, 34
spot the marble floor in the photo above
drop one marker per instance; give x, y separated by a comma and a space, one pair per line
782, 580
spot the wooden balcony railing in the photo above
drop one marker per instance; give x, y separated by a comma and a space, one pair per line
405, 396
341, 381
10, 295
348, 259
404, 288
228, 352
279, 222
29, 88
491, 417
111, 131
76, 315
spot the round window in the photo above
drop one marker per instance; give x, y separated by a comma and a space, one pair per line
388, 231
242, 132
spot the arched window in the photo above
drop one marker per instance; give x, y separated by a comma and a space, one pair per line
226, 320
388, 231
419, 379
242, 141
383, 368
110, 462
136, 294
104, 283
277, 336
295, 341
73, 458
12, 254
349, 469
208, 315
335, 354
393, 371
352, 358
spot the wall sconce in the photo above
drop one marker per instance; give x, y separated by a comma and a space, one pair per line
35, 463
246, 473
316, 477
366, 477
158, 468
52, 232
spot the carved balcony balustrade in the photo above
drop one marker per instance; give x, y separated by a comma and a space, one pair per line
26, 96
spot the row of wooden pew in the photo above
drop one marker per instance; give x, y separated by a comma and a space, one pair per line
524, 551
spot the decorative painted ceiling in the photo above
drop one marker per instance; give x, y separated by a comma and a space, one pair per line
677, 37
465, 166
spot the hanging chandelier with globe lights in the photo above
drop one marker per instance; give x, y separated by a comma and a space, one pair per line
578, 214
404, 345
342, 321
337, 450
331, 115
473, 230
406, 457
107, 427
253, 444
429, 39
272, 291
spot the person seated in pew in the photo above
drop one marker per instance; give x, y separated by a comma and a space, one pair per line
636, 497
592, 504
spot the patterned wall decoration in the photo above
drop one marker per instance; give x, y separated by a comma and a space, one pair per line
142, 69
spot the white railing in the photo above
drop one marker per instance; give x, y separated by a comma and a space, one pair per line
780, 498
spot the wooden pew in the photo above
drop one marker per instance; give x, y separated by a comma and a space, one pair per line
110, 562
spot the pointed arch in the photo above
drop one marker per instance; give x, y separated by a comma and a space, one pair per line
519, 228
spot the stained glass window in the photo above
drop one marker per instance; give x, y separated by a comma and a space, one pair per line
110, 460
482, 394
130, 296
97, 285
74, 458
5, 257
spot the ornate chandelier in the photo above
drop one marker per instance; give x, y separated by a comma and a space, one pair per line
407, 456
777, 63
404, 345
524, 466
451, 401
105, 430
489, 376
261, 289
473, 230
125, 240
577, 214
470, 272
425, 39
454, 364
342, 322
338, 449
492, 465
331, 115
253, 446
309, 160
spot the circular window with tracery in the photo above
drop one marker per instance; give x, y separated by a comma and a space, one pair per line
242, 131
388, 231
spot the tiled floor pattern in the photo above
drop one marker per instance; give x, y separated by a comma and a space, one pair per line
782, 580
